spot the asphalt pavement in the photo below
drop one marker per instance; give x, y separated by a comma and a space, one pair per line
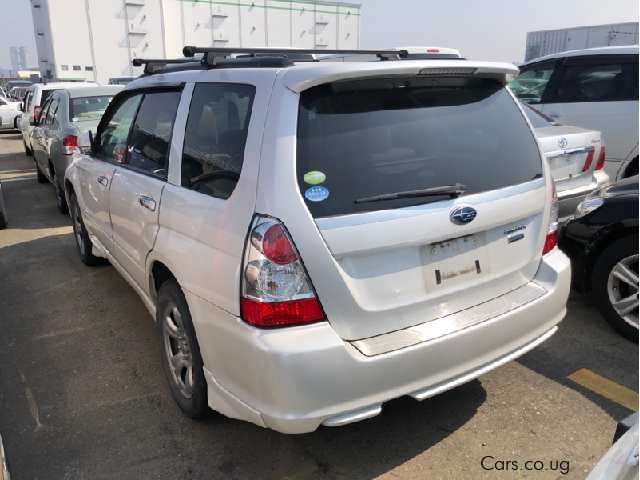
83, 396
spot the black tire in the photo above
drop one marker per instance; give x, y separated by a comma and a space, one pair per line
3, 220
61, 201
27, 151
80, 234
40, 176
192, 399
606, 261
15, 123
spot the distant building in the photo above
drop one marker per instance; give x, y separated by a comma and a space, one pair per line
101, 37
18, 58
546, 42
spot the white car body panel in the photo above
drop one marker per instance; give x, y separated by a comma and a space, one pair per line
295, 379
9, 112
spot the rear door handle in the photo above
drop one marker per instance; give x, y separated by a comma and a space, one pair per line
102, 180
147, 202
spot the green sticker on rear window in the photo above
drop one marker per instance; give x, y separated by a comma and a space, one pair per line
314, 177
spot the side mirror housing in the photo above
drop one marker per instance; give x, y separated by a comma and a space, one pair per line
21, 106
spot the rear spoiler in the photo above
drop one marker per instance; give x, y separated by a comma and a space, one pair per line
301, 79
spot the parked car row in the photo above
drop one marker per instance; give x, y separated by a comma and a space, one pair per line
390, 226
595, 88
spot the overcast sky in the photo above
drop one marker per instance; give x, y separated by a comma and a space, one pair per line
481, 29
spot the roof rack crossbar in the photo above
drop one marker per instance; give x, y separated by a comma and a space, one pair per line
191, 51
154, 65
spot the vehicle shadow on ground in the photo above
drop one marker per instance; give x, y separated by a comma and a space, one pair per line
83, 392
585, 340
20, 189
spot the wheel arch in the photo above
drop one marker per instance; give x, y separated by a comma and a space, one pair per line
607, 236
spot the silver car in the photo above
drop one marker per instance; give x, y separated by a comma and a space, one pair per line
576, 157
317, 238
65, 115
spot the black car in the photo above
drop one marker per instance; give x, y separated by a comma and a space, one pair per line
602, 241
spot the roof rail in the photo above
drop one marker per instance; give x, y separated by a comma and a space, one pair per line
210, 53
155, 65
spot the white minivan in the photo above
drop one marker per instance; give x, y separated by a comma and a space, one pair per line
595, 88
315, 239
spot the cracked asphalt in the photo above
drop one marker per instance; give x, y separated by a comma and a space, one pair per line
82, 394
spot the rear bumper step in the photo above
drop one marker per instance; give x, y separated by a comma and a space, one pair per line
448, 324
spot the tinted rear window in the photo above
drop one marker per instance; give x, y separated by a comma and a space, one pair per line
88, 108
370, 137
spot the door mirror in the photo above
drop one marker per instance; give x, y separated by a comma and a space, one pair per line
85, 142
21, 106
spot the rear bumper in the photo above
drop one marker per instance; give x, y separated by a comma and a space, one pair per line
568, 200
293, 380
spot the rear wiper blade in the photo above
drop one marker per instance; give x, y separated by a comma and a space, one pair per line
449, 190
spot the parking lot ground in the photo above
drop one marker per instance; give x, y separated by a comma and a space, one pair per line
82, 394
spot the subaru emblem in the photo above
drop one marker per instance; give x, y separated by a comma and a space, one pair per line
462, 215
562, 143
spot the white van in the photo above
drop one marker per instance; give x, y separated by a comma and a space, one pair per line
595, 88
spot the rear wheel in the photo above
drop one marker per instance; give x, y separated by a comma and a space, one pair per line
61, 201
83, 242
615, 286
181, 358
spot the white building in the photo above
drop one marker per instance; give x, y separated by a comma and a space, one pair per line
96, 39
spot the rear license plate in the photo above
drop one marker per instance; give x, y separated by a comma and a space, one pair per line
455, 261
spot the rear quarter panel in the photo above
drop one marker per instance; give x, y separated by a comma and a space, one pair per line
201, 238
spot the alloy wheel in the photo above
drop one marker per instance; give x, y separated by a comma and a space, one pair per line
177, 349
77, 228
622, 288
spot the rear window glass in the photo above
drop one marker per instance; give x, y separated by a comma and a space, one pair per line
359, 139
537, 119
88, 108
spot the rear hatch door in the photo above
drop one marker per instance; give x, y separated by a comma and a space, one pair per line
389, 263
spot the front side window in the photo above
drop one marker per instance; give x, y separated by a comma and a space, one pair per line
593, 81
88, 108
148, 148
530, 84
114, 130
362, 139
51, 112
215, 137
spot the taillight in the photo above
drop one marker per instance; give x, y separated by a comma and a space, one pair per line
601, 159
37, 111
276, 290
551, 239
589, 160
69, 144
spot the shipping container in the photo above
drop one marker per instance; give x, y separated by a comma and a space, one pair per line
546, 42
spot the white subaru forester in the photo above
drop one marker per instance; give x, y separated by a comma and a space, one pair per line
317, 238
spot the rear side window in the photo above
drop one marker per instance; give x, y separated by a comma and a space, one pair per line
592, 81
215, 137
360, 139
150, 138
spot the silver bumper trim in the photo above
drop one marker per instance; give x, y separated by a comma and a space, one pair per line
451, 323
